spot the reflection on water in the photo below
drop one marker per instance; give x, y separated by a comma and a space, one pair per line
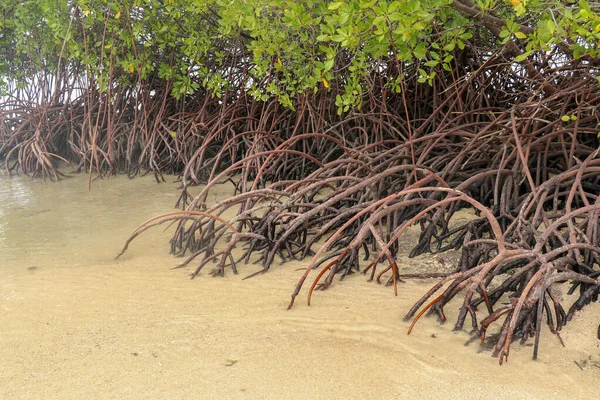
64, 224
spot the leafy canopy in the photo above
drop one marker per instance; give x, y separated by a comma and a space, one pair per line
280, 48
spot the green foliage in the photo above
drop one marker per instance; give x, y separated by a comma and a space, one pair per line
280, 48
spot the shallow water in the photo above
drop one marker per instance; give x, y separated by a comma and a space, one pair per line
76, 323
71, 225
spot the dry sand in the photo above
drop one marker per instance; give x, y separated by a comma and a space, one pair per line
76, 324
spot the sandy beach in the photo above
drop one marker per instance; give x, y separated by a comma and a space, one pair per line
77, 324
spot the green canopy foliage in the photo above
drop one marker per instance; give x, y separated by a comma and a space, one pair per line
282, 48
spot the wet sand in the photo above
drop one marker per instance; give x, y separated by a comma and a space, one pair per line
77, 324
